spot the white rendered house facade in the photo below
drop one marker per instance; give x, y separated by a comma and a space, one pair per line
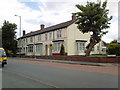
48, 41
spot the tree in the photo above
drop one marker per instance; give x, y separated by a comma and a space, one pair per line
114, 48
93, 17
9, 42
62, 50
114, 41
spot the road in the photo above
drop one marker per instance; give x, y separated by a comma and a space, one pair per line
20, 73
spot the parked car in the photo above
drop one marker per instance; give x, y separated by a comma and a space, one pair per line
3, 57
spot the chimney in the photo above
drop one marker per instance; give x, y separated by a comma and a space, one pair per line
23, 32
42, 26
73, 17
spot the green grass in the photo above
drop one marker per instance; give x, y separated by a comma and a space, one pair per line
100, 55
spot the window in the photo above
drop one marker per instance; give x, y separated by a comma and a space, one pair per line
19, 42
93, 49
59, 34
31, 39
39, 37
39, 48
98, 48
57, 47
30, 48
103, 49
26, 40
46, 36
50, 36
80, 46
19, 49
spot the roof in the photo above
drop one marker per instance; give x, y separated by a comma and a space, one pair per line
48, 29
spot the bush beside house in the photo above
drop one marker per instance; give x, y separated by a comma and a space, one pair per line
114, 49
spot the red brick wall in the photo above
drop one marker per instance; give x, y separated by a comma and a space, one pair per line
78, 58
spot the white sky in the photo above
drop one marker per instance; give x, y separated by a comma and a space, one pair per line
50, 12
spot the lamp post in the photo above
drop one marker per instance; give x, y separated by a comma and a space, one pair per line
20, 23
20, 34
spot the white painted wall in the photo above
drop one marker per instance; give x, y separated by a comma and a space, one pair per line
74, 34
69, 35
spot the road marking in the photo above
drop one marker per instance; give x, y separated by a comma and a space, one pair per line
28, 77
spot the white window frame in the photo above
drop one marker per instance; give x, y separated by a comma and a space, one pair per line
80, 46
39, 48
39, 37
30, 48
26, 40
46, 36
59, 33
98, 48
31, 39
50, 35
57, 46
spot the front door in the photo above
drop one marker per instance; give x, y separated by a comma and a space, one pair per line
50, 49
46, 49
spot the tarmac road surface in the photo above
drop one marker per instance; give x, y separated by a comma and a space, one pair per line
36, 74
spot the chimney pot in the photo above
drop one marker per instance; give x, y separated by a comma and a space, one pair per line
42, 26
73, 17
23, 32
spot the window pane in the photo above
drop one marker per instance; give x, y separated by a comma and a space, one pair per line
45, 36
50, 37
39, 48
39, 37
59, 34
80, 46
57, 47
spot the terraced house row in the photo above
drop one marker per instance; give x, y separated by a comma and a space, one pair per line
48, 41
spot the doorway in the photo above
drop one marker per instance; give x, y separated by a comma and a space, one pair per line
50, 50
46, 49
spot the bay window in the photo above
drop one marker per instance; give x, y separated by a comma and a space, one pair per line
39, 48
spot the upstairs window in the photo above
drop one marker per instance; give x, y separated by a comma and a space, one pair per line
59, 34
31, 39
50, 36
39, 37
26, 40
46, 37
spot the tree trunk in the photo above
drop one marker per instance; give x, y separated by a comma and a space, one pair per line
91, 45
93, 41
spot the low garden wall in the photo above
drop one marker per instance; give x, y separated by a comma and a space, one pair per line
79, 58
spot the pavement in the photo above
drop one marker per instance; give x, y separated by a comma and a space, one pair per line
72, 62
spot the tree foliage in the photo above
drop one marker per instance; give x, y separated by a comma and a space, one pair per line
114, 49
114, 41
93, 17
9, 42
62, 50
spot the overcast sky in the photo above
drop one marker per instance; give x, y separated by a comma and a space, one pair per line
50, 12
